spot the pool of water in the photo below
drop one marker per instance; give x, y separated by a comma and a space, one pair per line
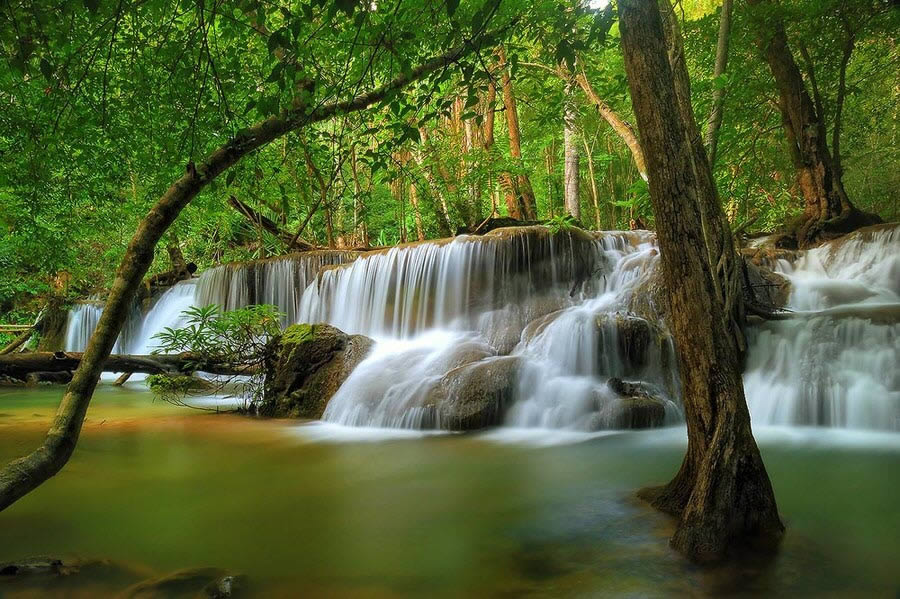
317, 510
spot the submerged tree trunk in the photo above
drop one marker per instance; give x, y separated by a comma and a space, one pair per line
571, 175
521, 189
715, 115
22, 475
827, 208
722, 493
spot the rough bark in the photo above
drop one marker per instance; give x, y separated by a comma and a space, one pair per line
722, 493
24, 474
715, 115
716, 231
828, 211
18, 366
571, 174
519, 193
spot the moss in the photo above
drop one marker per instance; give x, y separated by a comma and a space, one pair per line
298, 333
165, 384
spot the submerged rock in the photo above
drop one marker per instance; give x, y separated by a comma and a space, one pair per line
309, 365
475, 395
193, 582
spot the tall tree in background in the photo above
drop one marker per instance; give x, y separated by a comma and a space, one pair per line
519, 194
715, 115
571, 174
722, 494
828, 210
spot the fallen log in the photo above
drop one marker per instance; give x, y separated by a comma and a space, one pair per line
18, 366
876, 313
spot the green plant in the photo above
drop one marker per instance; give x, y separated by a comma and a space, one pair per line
237, 339
561, 222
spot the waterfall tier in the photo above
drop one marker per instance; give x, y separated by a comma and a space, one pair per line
531, 328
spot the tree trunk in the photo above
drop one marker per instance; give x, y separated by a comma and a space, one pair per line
441, 211
519, 186
715, 115
722, 492
18, 366
22, 475
717, 236
571, 175
595, 195
622, 128
827, 208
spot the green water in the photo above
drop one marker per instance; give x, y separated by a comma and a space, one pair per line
159, 488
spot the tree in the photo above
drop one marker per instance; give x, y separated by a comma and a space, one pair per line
24, 474
519, 195
828, 210
571, 176
715, 115
722, 494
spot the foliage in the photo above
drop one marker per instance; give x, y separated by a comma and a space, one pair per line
239, 339
105, 103
560, 223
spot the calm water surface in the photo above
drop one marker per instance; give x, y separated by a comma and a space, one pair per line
313, 510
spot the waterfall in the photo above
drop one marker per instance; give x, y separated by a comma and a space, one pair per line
278, 281
445, 314
838, 365
526, 327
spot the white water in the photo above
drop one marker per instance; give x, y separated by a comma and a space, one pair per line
832, 371
553, 309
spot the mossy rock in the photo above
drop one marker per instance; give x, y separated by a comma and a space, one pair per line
310, 363
638, 406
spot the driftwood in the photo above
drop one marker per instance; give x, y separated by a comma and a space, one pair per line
19, 366
878, 313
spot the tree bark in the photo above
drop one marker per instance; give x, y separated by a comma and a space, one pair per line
715, 115
716, 230
22, 475
722, 493
827, 208
519, 195
571, 174
18, 366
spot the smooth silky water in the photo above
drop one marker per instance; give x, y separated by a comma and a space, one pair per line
313, 509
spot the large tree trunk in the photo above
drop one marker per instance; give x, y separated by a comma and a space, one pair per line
722, 493
726, 267
715, 115
520, 196
24, 474
827, 209
571, 175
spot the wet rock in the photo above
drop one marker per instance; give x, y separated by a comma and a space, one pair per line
225, 587
309, 365
476, 395
638, 342
33, 379
638, 405
34, 566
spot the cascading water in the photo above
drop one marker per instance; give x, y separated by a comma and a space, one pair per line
530, 328
836, 363
444, 316
277, 281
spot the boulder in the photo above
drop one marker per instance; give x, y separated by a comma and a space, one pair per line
638, 342
309, 364
475, 395
637, 406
